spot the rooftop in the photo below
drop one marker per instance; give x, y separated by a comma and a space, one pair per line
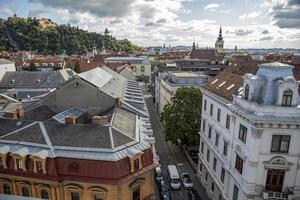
5, 61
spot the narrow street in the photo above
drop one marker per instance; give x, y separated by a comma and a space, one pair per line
171, 154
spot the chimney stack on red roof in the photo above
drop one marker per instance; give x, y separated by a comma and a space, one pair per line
100, 120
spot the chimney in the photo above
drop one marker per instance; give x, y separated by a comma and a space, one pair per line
118, 101
70, 120
20, 112
11, 115
101, 120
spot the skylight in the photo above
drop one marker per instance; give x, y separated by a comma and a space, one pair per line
231, 86
222, 84
214, 81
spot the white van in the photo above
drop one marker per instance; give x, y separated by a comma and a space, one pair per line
174, 177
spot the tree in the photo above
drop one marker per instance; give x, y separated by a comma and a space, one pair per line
182, 117
32, 67
77, 67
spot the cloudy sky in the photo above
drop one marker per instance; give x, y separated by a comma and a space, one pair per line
245, 23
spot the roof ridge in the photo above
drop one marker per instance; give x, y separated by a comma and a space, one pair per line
46, 137
20, 129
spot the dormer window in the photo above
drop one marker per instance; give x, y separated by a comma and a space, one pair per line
246, 92
20, 165
287, 98
39, 167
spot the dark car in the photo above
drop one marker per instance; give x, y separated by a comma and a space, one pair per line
164, 191
193, 194
186, 180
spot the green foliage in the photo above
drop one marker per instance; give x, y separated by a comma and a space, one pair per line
182, 117
32, 67
77, 67
27, 34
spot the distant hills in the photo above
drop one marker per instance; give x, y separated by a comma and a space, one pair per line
47, 37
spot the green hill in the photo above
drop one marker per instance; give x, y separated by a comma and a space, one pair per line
46, 37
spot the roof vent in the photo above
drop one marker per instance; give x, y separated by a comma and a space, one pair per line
38, 81
12, 81
214, 81
222, 84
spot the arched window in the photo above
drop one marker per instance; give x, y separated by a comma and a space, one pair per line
25, 191
44, 194
287, 98
246, 93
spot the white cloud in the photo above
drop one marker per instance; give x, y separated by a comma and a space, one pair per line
251, 15
211, 7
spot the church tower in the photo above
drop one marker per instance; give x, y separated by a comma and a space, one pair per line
219, 45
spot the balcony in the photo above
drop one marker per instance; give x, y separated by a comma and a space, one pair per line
268, 195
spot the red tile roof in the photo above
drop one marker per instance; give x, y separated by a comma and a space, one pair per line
209, 54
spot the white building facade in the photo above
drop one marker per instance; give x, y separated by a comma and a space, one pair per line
6, 66
249, 144
168, 83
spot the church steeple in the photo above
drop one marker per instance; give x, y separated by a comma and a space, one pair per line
220, 33
194, 45
219, 45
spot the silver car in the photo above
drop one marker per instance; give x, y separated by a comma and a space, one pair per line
186, 181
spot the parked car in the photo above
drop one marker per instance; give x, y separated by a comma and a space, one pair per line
193, 194
174, 177
186, 180
164, 191
158, 174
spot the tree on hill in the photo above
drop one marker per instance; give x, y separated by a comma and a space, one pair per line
182, 117
77, 67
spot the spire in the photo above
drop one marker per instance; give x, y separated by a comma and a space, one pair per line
220, 33
194, 46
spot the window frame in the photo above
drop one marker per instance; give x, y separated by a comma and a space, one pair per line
207, 155
278, 150
211, 110
243, 130
222, 177
239, 164
215, 164
246, 92
225, 148
219, 115
217, 138
205, 104
227, 124
287, 99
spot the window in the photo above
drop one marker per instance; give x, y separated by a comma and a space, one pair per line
211, 109
44, 194
202, 147
205, 102
1, 162
287, 98
136, 164
225, 148
228, 121
239, 163
75, 196
212, 186
209, 132
136, 193
219, 114
222, 175
19, 164
39, 167
207, 155
203, 126
235, 193
243, 133
25, 191
280, 143
215, 164
217, 139
6, 188
206, 176
98, 197
246, 93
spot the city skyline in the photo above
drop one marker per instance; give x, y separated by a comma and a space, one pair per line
247, 24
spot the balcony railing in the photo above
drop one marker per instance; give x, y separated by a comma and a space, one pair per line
275, 195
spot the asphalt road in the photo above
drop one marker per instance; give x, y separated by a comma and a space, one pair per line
171, 154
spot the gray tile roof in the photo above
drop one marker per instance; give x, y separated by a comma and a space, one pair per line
26, 79
9, 125
31, 134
